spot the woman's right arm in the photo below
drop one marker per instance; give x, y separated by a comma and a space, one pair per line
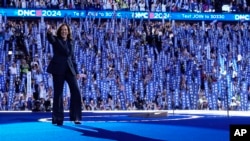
51, 38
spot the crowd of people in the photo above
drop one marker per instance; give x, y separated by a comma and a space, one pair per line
137, 5
128, 64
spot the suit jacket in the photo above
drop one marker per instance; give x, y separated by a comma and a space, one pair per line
63, 56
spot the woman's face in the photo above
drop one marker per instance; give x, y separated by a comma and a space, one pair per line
64, 32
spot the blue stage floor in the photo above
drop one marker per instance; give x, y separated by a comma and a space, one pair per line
122, 126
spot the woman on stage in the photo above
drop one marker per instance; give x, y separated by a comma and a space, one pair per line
63, 68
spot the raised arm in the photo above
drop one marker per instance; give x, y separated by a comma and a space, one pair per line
51, 38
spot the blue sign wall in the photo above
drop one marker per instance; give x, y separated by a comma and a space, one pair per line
123, 14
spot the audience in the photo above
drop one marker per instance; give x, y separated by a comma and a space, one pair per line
129, 64
137, 5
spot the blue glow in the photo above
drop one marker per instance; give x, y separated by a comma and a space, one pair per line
107, 132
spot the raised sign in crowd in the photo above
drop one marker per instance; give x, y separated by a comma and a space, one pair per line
128, 64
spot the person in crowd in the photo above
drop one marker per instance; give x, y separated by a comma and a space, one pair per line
24, 68
63, 68
13, 69
35, 89
54, 4
235, 102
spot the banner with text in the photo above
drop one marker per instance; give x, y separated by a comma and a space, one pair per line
123, 14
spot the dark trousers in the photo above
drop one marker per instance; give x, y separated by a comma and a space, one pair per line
75, 96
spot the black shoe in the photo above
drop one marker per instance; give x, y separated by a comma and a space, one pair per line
77, 122
53, 121
59, 123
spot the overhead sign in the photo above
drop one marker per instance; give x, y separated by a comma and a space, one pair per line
123, 14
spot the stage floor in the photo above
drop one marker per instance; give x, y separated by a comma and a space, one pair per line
179, 125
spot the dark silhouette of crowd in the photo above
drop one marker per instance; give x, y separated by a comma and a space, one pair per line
242, 6
129, 64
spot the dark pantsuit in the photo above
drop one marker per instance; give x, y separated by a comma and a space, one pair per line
63, 68
75, 97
